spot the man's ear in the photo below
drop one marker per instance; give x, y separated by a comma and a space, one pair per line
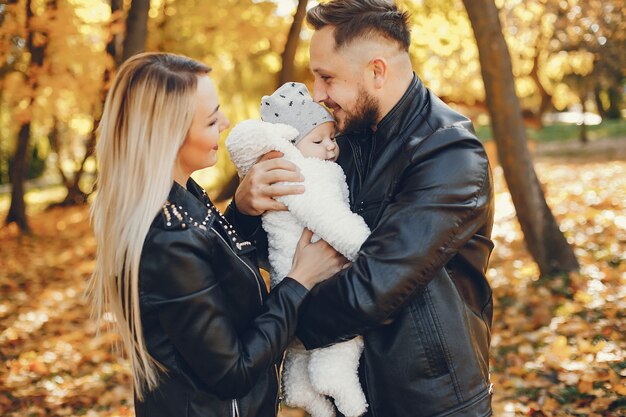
378, 68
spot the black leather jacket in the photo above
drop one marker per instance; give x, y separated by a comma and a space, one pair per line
417, 291
207, 317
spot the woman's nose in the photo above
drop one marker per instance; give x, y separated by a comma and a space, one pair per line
225, 123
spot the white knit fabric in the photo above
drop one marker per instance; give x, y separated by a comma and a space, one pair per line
308, 376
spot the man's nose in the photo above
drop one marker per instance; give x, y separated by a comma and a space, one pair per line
319, 91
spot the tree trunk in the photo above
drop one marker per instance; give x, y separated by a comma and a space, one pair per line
17, 210
598, 100
544, 240
113, 47
615, 103
76, 196
4, 173
136, 28
287, 73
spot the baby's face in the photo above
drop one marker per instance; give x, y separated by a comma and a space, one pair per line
320, 143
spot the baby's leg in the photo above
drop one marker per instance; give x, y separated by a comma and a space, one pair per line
334, 371
297, 388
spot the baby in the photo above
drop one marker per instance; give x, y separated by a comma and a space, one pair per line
292, 123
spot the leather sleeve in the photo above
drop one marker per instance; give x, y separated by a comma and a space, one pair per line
193, 312
443, 198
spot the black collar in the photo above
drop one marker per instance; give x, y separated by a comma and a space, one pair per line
193, 200
396, 121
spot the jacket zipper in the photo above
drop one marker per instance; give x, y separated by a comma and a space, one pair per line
357, 157
256, 279
234, 408
234, 404
355, 152
279, 388
372, 148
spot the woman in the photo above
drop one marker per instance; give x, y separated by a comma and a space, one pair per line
202, 335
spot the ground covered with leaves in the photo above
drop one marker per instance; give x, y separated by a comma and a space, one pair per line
558, 348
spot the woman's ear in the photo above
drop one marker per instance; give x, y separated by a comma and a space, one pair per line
378, 67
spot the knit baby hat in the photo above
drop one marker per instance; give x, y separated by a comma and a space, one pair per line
292, 105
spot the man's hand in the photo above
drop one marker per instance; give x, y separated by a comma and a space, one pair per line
256, 192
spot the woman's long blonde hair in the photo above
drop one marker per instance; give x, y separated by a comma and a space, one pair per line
146, 117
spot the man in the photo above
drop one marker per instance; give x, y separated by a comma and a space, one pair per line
421, 180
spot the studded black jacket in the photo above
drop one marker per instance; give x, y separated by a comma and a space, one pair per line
207, 316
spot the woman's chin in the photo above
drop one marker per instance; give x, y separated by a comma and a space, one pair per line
212, 160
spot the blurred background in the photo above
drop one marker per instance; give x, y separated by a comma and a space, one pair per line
552, 122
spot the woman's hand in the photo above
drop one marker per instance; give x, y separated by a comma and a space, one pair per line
256, 192
315, 262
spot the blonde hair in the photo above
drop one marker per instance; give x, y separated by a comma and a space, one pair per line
146, 117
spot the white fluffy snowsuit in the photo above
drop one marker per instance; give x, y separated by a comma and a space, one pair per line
308, 376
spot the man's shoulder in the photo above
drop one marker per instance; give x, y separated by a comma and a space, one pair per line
439, 128
440, 115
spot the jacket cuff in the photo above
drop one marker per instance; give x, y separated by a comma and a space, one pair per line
299, 290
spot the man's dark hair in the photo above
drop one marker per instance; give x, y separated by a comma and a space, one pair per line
362, 18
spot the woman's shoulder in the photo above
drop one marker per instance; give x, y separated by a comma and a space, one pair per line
175, 217
177, 245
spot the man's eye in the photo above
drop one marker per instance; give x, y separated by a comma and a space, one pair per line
325, 77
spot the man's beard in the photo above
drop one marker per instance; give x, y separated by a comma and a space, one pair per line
365, 113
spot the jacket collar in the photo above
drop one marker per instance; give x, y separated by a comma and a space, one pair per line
396, 121
392, 131
193, 200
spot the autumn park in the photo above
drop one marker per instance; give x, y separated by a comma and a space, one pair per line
543, 82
